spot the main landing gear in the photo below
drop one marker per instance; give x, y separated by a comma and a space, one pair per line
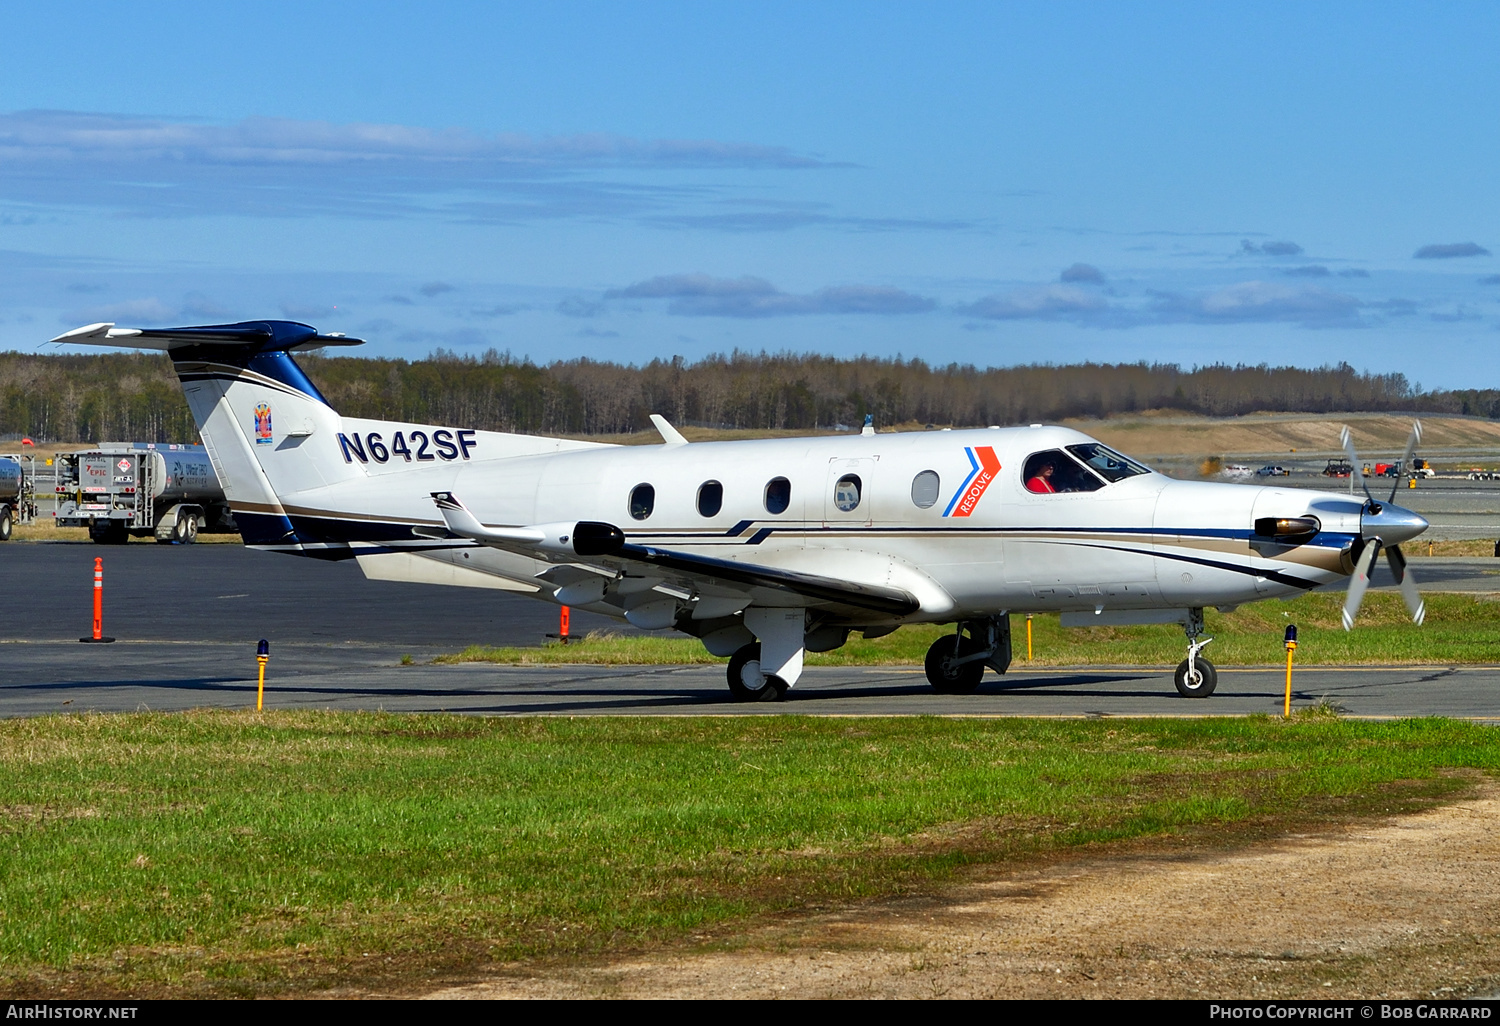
955, 662
1196, 677
746, 680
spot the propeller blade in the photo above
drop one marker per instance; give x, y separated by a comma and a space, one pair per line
1409, 594
1405, 464
1360, 582
1354, 472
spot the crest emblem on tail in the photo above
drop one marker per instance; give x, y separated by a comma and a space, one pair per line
262, 424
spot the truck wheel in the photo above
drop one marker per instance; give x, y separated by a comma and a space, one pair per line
108, 532
179, 530
5, 524
190, 532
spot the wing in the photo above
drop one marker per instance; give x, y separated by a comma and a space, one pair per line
716, 584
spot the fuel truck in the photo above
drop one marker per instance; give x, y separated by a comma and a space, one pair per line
17, 499
141, 488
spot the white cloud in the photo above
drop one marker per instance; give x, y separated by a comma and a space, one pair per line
1043, 302
700, 295
1261, 301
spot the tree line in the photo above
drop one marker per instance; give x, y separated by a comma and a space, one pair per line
136, 397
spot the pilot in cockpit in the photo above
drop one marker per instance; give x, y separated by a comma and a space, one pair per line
1041, 479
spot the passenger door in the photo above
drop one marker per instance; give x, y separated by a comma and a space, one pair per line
846, 493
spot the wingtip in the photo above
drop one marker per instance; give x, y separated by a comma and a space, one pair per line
87, 331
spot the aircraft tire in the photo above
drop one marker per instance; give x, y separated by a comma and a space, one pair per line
1204, 688
744, 671
953, 680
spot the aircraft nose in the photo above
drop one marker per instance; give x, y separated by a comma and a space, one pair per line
1391, 524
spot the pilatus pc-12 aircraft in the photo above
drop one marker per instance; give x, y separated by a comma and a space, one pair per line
765, 550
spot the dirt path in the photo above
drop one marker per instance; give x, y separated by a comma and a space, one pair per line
1395, 908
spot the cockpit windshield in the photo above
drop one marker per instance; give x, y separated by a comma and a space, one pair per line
1107, 463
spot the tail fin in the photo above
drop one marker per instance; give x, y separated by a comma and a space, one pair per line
254, 408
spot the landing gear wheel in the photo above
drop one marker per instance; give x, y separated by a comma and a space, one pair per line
5, 526
747, 683
947, 679
1199, 685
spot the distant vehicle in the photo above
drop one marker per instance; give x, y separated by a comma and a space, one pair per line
122, 489
1481, 475
1236, 470
1271, 470
1421, 468
17, 499
1338, 468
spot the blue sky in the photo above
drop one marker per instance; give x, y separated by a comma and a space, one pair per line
987, 183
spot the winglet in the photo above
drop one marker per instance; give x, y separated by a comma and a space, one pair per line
669, 434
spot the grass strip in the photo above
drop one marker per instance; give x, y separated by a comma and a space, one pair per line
1460, 629
227, 852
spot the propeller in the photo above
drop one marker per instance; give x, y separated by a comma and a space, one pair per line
1376, 520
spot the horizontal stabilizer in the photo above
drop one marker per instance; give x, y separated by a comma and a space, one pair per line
260, 336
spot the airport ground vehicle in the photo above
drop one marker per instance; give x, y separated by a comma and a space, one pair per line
1338, 468
17, 493
1271, 470
139, 488
767, 549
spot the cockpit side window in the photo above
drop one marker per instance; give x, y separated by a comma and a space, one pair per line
1107, 463
1056, 471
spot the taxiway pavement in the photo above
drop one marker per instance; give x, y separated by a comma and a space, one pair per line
187, 619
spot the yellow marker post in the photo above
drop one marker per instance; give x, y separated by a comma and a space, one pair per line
1291, 646
1028, 637
262, 656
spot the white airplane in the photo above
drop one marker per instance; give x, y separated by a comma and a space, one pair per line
765, 550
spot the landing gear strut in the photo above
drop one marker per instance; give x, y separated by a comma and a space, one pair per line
955, 663
1196, 677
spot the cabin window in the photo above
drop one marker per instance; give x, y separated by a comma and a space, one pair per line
846, 493
1056, 471
924, 489
710, 498
642, 501
1107, 463
778, 495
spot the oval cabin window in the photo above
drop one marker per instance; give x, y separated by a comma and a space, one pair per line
846, 493
710, 498
924, 489
642, 501
778, 495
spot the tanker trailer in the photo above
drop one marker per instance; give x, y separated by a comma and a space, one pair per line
123, 489
17, 504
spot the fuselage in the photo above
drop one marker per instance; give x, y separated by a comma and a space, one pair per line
945, 515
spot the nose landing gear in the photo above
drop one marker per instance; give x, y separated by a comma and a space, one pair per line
1196, 677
